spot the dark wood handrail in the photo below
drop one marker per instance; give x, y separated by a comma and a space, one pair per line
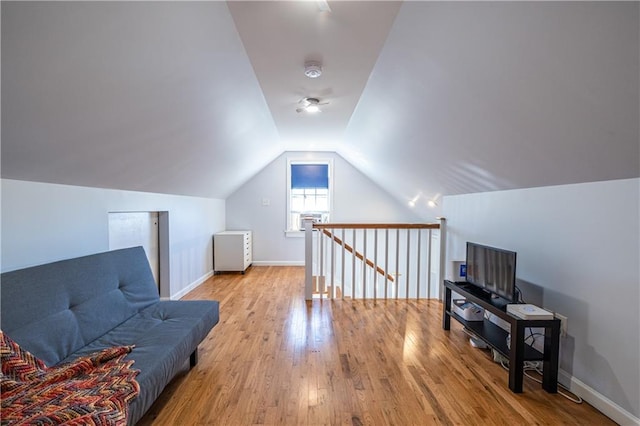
358, 255
376, 225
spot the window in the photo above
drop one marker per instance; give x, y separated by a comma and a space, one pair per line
308, 192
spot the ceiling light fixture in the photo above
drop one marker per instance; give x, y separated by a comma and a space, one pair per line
311, 105
312, 108
312, 69
433, 202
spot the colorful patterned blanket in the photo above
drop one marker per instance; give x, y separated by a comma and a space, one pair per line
92, 390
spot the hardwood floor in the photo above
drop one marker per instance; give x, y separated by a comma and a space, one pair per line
275, 359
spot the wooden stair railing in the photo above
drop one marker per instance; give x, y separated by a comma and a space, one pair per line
358, 255
413, 269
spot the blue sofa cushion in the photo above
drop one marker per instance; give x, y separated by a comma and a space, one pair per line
164, 334
73, 302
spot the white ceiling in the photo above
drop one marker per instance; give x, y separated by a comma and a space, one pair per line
279, 37
425, 98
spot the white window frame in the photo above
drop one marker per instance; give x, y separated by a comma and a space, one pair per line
290, 231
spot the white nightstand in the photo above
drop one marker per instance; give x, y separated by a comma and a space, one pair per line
232, 251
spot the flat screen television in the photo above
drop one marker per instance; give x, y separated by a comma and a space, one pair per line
492, 269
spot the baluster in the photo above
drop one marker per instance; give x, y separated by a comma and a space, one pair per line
364, 263
321, 275
353, 267
406, 294
386, 263
418, 265
333, 264
375, 264
397, 260
342, 285
429, 265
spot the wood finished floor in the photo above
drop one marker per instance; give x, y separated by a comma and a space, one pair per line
273, 359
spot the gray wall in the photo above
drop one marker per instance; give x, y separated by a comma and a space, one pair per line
578, 251
47, 222
356, 199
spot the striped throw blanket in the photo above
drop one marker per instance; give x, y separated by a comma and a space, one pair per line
92, 390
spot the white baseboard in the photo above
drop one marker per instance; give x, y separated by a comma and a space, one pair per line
599, 401
191, 286
278, 263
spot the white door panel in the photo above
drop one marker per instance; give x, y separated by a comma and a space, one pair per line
131, 229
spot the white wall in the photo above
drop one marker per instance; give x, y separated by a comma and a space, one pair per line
578, 252
47, 222
463, 91
356, 199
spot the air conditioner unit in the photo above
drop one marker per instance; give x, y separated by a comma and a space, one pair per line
315, 217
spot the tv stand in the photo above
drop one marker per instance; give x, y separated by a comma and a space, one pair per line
517, 352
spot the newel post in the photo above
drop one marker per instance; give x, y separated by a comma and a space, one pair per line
443, 254
308, 259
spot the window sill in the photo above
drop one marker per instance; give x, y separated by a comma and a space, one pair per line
294, 234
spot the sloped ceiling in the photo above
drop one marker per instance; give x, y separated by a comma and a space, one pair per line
426, 98
481, 96
148, 96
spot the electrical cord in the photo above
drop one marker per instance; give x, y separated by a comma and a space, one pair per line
529, 365
535, 366
532, 336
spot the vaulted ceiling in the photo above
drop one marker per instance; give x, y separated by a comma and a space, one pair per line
426, 98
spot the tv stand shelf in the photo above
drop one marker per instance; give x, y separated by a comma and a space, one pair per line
496, 337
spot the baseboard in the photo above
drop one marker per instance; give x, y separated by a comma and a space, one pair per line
599, 401
191, 286
278, 263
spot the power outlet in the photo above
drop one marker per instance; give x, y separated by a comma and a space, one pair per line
563, 324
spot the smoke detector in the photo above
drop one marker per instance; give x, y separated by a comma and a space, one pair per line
312, 69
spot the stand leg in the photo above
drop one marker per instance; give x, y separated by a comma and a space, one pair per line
550, 364
516, 357
446, 319
193, 359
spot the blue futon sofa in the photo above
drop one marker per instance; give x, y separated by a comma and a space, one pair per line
63, 310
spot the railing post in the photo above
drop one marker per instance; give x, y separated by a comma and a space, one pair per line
419, 257
443, 254
397, 261
343, 283
321, 276
333, 264
308, 259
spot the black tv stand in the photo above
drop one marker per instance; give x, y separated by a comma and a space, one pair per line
496, 337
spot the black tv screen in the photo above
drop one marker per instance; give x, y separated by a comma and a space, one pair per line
492, 269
